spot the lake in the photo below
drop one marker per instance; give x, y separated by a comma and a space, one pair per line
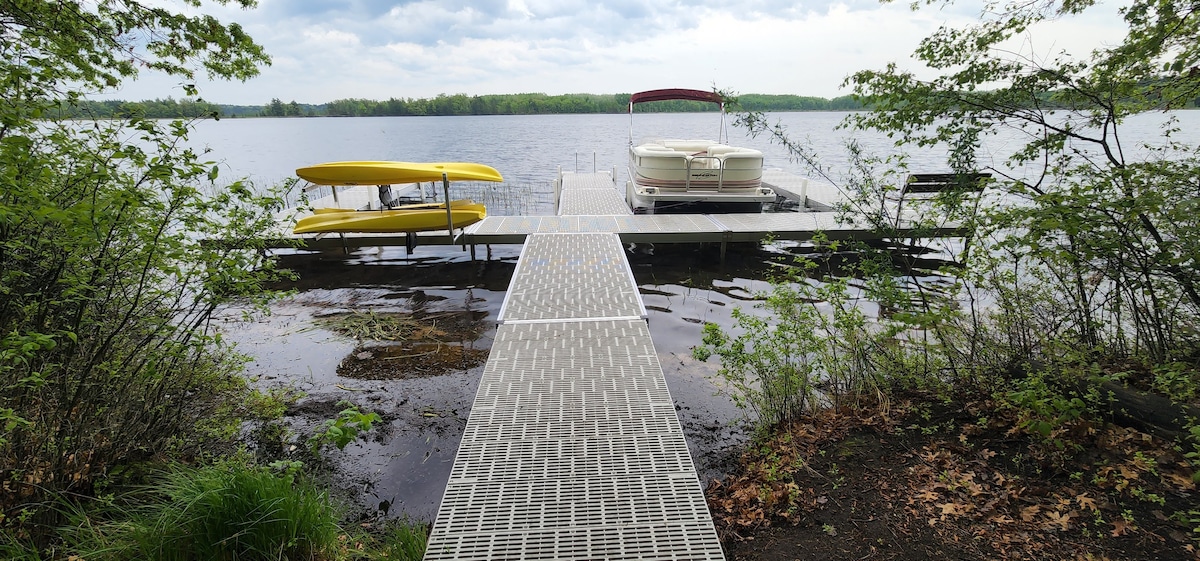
402, 469
531, 148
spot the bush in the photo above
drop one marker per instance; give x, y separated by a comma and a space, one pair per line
813, 346
106, 293
106, 282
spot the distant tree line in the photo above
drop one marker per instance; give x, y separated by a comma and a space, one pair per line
541, 104
168, 108
457, 104
460, 104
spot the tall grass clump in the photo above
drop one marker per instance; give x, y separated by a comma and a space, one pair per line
225, 511
403, 541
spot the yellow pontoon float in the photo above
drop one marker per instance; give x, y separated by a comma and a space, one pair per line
402, 219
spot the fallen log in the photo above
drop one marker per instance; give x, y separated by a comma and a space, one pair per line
1148, 412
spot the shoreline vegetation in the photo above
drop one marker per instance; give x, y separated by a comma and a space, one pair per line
442, 105
445, 105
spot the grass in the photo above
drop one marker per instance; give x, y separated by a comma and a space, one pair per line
226, 511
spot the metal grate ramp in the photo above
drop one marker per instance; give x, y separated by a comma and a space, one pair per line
573, 451
591, 194
572, 276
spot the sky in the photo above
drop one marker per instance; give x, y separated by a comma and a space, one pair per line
380, 49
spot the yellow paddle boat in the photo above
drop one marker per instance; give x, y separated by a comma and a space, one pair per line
421, 217
390, 173
408, 218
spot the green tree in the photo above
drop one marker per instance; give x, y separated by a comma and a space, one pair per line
1084, 249
274, 109
106, 284
1109, 226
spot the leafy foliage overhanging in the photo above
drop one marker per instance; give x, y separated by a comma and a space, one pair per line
1084, 248
1107, 226
106, 290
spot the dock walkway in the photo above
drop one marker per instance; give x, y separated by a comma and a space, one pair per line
591, 203
573, 449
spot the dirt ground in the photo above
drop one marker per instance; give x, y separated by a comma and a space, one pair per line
950, 482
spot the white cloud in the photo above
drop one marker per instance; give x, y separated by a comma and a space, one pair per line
379, 49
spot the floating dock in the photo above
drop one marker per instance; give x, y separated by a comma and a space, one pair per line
573, 449
590, 203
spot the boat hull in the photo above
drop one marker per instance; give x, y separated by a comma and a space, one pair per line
695, 171
391, 173
414, 218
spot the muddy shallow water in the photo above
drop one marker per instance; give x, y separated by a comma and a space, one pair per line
402, 468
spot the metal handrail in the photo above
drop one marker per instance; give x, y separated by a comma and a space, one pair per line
687, 182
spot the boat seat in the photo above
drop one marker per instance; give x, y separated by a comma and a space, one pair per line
690, 146
718, 149
741, 158
656, 151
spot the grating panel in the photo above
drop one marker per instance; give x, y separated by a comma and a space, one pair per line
572, 181
667, 223
531, 504
597, 224
605, 201
496, 424
673, 227
779, 222
571, 458
567, 393
683, 540
573, 449
572, 276
819, 194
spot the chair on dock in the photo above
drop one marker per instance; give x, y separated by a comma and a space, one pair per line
927, 187
957, 196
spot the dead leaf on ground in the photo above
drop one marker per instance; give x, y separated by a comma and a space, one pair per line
1058, 519
953, 509
1180, 480
1121, 527
1030, 512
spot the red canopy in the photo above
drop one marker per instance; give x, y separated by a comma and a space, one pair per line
676, 93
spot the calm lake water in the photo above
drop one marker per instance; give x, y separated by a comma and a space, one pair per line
403, 469
530, 149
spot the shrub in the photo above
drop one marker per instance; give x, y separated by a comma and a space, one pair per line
814, 335
106, 282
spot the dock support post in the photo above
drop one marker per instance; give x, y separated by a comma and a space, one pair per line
410, 242
726, 236
558, 186
449, 213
